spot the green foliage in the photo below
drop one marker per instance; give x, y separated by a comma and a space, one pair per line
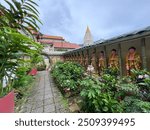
35, 59
13, 47
109, 82
16, 18
20, 15
134, 105
108, 93
41, 67
112, 71
96, 97
125, 86
68, 75
22, 79
6, 90
136, 73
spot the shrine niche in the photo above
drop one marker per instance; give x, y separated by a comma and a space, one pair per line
133, 61
125, 50
101, 63
113, 61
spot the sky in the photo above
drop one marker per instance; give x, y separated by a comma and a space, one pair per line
105, 18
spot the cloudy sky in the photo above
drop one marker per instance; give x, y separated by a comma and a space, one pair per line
106, 18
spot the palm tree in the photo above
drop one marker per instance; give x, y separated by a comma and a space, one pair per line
20, 15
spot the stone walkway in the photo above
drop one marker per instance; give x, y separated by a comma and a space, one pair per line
45, 97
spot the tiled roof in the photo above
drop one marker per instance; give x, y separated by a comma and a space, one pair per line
46, 36
65, 45
61, 44
45, 41
53, 37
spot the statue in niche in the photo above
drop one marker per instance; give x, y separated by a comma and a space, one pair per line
113, 60
92, 67
133, 60
101, 63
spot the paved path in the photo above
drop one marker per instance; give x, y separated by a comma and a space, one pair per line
45, 97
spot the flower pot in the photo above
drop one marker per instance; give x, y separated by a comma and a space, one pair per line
7, 103
33, 72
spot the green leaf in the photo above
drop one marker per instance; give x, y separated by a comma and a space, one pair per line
11, 5
30, 5
105, 100
105, 109
31, 1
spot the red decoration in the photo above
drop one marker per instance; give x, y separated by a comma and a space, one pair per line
33, 72
7, 103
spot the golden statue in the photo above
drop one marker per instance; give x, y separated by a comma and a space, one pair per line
113, 60
101, 62
133, 60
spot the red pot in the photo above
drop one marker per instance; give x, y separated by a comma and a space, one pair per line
33, 72
7, 103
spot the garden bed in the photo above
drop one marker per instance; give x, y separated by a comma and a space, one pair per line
106, 94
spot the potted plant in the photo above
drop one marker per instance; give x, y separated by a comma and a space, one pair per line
14, 45
11, 56
8, 64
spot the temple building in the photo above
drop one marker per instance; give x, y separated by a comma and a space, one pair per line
54, 43
88, 39
53, 47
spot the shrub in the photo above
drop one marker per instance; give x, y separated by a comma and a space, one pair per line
108, 93
109, 82
134, 105
67, 75
126, 87
95, 99
22, 81
41, 67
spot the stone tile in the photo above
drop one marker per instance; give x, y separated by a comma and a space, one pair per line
39, 95
48, 92
37, 110
38, 104
48, 96
48, 101
49, 108
38, 98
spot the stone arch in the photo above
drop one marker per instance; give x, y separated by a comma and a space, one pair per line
49, 60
